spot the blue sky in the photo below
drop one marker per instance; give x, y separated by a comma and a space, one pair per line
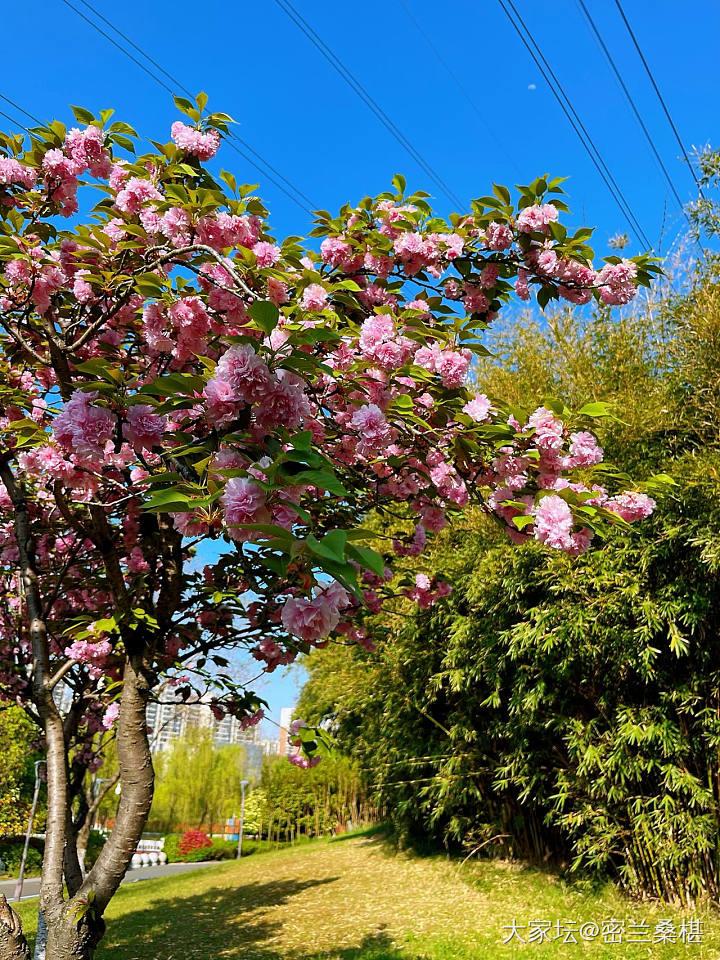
489, 117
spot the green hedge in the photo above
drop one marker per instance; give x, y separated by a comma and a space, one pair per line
11, 854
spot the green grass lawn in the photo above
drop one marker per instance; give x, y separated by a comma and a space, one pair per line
360, 900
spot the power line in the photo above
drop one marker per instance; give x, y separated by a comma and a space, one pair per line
578, 126
356, 86
296, 192
180, 86
659, 95
631, 101
574, 120
19, 109
640, 120
457, 81
15, 123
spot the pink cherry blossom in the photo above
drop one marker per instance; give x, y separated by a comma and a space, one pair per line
110, 716
144, 428
175, 225
335, 251
535, 218
375, 432
315, 297
135, 194
83, 428
243, 501
498, 236
584, 449
553, 522
247, 375
204, 146
12, 172
266, 254
631, 506
615, 282
452, 366
87, 148
478, 408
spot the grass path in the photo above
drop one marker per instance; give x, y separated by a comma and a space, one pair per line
359, 900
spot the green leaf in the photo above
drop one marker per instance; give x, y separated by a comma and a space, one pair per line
662, 479
594, 410
320, 478
82, 115
523, 521
271, 529
120, 127
557, 406
545, 294
367, 558
502, 193
302, 441
173, 383
517, 504
229, 179
124, 142
142, 616
187, 107
398, 181
169, 500
331, 547
265, 314
150, 284
98, 367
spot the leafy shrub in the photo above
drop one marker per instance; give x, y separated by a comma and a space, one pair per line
221, 850
11, 854
192, 841
170, 846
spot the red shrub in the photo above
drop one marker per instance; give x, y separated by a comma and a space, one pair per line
193, 840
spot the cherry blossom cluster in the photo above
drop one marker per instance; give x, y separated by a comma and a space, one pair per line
173, 374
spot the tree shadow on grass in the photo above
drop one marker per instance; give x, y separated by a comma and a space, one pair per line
219, 922
373, 946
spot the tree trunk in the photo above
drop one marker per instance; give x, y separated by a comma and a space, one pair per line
136, 779
13, 945
75, 927
69, 939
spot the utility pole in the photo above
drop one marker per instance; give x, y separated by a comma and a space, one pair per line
33, 809
243, 784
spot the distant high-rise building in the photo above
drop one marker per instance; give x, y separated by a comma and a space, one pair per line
270, 747
170, 719
286, 716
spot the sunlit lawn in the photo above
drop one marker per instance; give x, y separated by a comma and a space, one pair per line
358, 900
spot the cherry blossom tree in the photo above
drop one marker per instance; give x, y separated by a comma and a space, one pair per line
171, 376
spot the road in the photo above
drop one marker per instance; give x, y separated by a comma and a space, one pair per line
31, 887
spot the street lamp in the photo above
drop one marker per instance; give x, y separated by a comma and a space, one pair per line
243, 784
33, 808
